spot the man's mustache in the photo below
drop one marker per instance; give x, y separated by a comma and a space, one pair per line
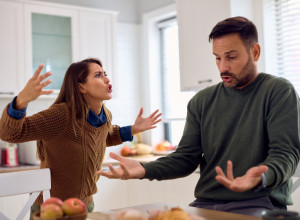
226, 73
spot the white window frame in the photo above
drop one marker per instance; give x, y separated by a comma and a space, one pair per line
150, 77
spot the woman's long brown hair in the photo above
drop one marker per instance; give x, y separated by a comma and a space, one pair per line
71, 95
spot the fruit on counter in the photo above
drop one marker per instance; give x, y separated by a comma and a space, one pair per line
54, 208
130, 214
173, 213
73, 206
142, 149
164, 146
51, 208
53, 200
51, 211
127, 151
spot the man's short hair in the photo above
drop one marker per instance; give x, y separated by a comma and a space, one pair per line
239, 25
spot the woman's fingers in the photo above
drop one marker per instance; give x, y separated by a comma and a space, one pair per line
38, 71
44, 76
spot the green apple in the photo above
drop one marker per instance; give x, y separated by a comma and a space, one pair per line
51, 211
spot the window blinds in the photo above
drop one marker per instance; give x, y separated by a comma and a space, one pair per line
287, 38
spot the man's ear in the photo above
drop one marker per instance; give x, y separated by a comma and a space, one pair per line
81, 88
255, 52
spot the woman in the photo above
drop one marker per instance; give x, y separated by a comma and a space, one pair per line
73, 133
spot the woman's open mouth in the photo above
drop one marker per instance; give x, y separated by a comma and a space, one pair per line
110, 88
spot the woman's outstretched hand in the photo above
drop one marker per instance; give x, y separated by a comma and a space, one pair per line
34, 88
243, 183
142, 124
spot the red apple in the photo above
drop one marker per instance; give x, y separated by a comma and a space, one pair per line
73, 206
51, 211
53, 200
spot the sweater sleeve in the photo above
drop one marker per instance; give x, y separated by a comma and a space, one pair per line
187, 156
46, 124
114, 138
283, 132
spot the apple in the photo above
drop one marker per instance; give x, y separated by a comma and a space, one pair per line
53, 200
125, 151
51, 211
73, 206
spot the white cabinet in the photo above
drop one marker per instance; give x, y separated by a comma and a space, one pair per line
97, 38
51, 38
92, 34
196, 18
11, 46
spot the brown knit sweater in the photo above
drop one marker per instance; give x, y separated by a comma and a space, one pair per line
72, 159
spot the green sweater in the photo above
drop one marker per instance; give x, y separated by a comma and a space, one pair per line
258, 124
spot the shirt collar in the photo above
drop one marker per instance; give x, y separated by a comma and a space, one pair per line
96, 120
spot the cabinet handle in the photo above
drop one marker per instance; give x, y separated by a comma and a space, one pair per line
204, 81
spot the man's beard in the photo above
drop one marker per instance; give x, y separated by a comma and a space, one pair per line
243, 78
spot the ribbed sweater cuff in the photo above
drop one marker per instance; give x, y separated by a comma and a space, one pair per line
11, 122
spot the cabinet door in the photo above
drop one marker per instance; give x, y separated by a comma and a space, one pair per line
97, 38
196, 18
51, 38
11, 47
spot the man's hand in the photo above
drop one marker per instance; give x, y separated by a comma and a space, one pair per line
129, 169
142, 124
243, 183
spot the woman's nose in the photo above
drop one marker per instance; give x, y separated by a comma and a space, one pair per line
107, 80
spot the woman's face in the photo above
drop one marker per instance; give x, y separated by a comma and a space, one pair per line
97, 87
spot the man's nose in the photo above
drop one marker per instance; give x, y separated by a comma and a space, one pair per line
223, 66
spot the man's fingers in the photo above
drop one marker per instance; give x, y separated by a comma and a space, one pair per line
115, 156
219, 171
229, 170
113, 171
223, 180
125, 174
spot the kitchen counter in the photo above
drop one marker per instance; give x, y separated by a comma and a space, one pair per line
140, 158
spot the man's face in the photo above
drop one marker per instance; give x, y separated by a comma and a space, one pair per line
236, 64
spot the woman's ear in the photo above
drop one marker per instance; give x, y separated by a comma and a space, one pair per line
81, 88
255, 52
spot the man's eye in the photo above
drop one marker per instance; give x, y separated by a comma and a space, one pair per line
231, 58
218, 58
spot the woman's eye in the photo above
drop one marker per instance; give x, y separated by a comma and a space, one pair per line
218, 58
98, 75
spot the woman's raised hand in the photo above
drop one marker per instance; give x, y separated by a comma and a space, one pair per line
142, 124
34, 88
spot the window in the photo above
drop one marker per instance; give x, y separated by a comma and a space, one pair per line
283, 39
174, 102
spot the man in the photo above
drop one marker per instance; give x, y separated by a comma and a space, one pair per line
247, 125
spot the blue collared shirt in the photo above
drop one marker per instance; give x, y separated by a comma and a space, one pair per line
92, 119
